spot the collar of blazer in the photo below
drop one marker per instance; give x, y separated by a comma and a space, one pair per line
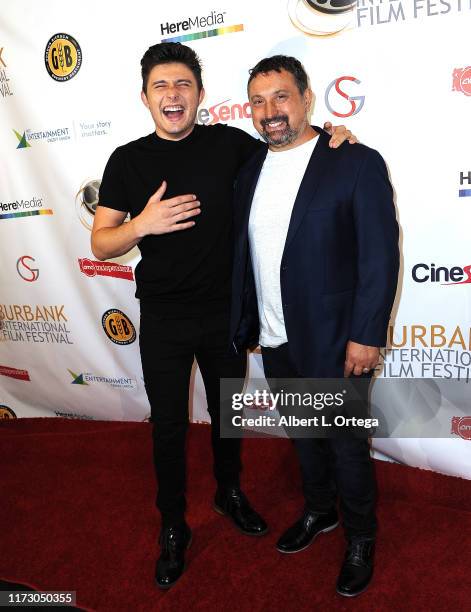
247, 183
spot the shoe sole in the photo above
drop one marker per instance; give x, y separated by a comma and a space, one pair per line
222, 513
165, 587
292, 552
352, 594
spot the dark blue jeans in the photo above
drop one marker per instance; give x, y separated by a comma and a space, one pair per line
331, 466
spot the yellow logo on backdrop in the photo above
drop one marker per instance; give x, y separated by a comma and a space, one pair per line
63, 57
118, 327
6, 413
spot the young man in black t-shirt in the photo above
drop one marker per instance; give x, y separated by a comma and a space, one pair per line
183, 279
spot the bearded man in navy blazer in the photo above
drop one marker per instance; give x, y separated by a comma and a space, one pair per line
315, 275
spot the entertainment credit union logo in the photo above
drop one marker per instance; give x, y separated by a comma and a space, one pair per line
63, 57
104, 268
25, 271
462, 80
356, 102
116, 382
118, 327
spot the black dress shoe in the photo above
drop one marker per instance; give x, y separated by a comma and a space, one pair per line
232, 503
171, 563
357, 568
300, 535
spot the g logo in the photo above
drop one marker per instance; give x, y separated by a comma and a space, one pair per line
321, 17
352, 99
6, 413
63, 57
118, 327
23, 269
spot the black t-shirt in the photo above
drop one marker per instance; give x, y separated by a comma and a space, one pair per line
187, 271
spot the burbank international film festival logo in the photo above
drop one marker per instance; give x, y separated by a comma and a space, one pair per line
118, 327
5, 87
323, 18
63, 57
35, 323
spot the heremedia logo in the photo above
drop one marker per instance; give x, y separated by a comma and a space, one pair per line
24, 208
187, 24
465, 179
356, 102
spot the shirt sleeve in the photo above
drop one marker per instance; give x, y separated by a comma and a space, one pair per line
112, 192
246, 145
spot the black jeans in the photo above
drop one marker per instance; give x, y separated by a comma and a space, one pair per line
331, 466
168, 347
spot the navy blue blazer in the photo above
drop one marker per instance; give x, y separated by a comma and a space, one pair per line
340, 264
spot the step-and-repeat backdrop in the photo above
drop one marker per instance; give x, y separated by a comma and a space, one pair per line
396, 72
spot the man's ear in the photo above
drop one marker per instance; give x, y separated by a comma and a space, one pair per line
308, 96
201, 96
144, 99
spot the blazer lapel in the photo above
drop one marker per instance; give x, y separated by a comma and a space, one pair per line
250, 180
309, 184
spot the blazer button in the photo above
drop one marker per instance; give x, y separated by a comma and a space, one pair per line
284, 268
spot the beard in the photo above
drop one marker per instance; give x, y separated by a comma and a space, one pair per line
282, 137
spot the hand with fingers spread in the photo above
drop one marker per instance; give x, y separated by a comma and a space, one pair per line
360, 358
165, 216
339, 134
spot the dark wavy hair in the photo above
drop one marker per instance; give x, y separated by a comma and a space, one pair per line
279, 63
168, 53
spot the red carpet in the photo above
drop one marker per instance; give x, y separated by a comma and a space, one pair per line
77, 514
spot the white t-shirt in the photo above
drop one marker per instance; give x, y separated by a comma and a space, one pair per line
272, 205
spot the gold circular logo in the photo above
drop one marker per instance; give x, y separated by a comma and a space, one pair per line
118, 327
63, 57
6, 413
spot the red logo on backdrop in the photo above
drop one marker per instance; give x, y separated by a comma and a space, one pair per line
14, 373
461, 426
462, 80
104, 268
25, 271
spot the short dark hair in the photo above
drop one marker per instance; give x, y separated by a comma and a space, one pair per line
279, 63
168, 53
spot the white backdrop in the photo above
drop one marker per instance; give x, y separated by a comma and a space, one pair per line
405, 66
